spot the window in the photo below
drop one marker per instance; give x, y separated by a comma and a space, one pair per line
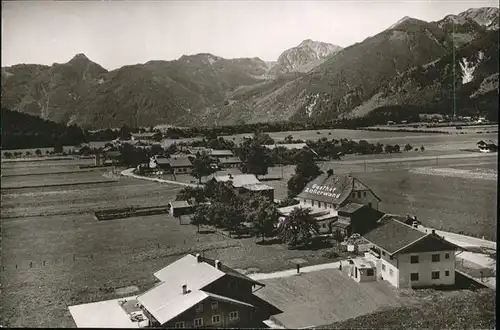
214, 305
323, 225
364, 193
370, 205
383, 253
383, 267
359, 194
435, 258
369, 272
199, 308
435, 275
414, 259
447, 256
179, 325
353, 194
391, 272
414, 277
198, 322
319, 204
234, 315
446, 273
215, 319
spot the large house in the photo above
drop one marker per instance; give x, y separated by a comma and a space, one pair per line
339, 202
175, 164
407, 257
230, 162
199, 292
247, 184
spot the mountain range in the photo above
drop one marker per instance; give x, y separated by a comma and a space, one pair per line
410, 63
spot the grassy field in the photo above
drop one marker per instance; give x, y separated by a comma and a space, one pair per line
53, 179
56, 254
469, 310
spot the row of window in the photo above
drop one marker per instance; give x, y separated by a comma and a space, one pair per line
435, 258
216, 319
434, 275
214, 305
359, 194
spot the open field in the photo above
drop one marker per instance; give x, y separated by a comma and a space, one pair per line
53, 179
466, 129
469, 310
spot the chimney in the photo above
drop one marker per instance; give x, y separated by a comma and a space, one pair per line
217, 264
198, 257
434, 232
184, 289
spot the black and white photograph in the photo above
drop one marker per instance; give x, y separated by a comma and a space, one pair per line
249, 164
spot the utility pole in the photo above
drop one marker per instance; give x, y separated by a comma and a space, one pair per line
454, 74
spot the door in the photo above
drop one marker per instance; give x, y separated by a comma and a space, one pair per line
355, 272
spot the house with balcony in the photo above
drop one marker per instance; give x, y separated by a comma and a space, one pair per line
197, 292
407, 257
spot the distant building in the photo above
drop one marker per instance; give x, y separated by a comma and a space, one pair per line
220, 154
230, 162
247, 184
197, 292
176, 164
356, 218
289, 146
407, 257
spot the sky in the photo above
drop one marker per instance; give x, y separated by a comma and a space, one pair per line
118, 33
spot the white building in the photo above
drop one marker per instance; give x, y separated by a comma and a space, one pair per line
407, 257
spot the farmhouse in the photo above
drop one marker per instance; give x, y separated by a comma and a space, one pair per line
230, 162
342, 203
407, 257
201, 292
176, 164
331, 191
247, 184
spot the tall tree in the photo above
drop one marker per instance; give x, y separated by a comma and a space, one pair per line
201, 216
202, 167
299, 227
305, 171
257, 160
188, 193
263, 214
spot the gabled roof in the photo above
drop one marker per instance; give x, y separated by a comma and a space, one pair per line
162, 161
238, 180
180, 162
396, 237
215, 152
392, 235
257, 187
333, 189
166, 300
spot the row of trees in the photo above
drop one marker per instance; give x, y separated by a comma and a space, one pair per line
233, 212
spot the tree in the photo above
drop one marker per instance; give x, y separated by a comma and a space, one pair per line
408, 147
38, 152
337, 235
388, 149
125, 132
263, 214
202, 167
299, 227
396, 148
58, 148
305, 171
157, 136
422, 148
201, 216
257, 160
28, 153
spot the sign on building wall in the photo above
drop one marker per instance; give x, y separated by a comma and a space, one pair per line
323, 191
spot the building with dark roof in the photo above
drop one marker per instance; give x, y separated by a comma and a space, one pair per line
199, 292
356, 218
247, 184
327, 194
230, 162
408, 257
333, 191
